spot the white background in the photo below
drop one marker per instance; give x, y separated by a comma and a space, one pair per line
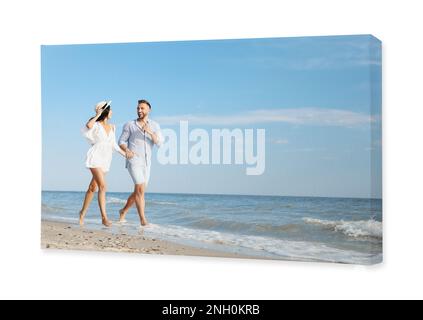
27, 272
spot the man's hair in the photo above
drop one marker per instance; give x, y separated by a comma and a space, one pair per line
144, 101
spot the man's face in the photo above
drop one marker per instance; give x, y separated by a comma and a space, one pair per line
143, 110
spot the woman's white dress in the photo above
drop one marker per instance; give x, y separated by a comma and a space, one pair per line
103, 145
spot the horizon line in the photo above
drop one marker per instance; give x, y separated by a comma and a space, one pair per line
228, 194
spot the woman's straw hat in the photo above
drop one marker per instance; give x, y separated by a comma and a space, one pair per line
102, 105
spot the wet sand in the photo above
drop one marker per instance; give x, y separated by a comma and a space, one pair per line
67, 236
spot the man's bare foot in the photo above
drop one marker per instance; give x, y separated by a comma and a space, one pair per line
81, 218
106, 223
122, 215
144, 222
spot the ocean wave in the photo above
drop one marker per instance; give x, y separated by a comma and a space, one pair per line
113, 200
355, 229
50, 209
207, 223
296, 250
92, 222
162, 203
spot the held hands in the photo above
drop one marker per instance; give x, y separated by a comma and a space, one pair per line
129, 154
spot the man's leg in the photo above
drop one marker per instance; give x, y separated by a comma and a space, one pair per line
131, 199
129, 203
140, 202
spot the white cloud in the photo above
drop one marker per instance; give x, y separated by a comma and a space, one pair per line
298, 116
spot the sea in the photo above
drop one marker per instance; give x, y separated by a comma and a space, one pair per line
340, 230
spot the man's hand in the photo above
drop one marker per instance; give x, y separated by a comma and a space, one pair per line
145, 126
129, 154
148, 129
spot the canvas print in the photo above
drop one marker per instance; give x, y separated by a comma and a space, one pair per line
267, 148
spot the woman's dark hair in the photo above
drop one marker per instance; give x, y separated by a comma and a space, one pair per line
104, 114
144, 101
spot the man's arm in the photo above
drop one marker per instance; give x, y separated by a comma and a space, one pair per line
155, 136
123, 141
128, 153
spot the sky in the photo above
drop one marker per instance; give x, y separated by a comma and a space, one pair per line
318, 99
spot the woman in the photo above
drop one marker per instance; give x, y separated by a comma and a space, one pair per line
101, 134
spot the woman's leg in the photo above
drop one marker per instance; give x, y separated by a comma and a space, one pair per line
129, 203
99, 178
89, 195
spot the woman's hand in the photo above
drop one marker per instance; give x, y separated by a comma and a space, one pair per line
99, 112
93, 120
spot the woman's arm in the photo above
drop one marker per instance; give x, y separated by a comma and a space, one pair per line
116, 146
119, 149
93, 120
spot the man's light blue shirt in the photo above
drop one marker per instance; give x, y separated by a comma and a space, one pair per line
140, 142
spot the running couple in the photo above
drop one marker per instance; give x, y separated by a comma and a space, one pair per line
136, 143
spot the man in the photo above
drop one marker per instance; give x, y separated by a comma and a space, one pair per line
137, 141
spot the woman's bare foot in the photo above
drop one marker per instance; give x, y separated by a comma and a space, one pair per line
122, 215
106, 222
81, 218
144, 222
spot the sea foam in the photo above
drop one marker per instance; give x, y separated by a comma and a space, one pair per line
295, 250
355, 229
113, 200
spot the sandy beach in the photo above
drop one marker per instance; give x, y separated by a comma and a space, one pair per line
66, 236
